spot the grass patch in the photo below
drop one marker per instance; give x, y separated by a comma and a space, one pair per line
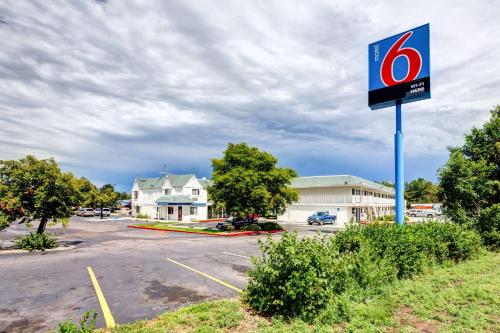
169, 227
452, 298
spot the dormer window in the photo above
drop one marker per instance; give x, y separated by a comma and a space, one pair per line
195, 191
168, 191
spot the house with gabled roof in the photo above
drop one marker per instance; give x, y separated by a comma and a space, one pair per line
170, 197
350, 198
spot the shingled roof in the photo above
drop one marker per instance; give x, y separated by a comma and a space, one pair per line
175, 180
338, 180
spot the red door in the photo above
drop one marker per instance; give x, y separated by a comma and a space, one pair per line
179, 213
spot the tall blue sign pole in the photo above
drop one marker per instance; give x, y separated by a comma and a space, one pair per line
399, 73
399, 165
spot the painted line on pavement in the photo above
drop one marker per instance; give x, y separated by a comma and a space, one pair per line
108, 317
237, 255
206, 275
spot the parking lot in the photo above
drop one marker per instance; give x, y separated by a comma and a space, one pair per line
141, 273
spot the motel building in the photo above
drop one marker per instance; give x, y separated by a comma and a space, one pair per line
170, 197
351, 198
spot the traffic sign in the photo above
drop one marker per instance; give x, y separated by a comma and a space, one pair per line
399, 69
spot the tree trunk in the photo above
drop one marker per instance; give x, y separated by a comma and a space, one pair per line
102, 215
42, 225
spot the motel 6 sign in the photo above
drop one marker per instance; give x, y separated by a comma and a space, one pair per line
399, 69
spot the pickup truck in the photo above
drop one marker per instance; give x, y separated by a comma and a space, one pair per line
321, 218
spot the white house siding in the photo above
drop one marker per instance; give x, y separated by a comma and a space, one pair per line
144, 198
368, 199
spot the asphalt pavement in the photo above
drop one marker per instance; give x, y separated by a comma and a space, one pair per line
132, 269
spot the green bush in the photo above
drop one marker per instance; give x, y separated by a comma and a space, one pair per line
34, 241
389, 218
4, 221
488, 225
141, 216
296, 277
304, 277
253, 227
270, 226
230, 228
86, 325
412, 248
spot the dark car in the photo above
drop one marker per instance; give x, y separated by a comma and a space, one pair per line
238, 222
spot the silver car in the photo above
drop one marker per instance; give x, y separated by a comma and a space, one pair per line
105, 212
85, 212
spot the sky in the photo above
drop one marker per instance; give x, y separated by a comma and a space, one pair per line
115, 90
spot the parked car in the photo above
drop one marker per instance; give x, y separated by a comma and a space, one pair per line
238, 222
423, 213
321, 217
85, 212
105, 212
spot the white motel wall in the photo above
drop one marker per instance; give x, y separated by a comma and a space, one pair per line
351, 198
184, 198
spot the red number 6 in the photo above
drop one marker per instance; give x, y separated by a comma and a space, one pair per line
412, 55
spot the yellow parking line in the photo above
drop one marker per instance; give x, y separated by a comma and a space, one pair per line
108, 317
206, 275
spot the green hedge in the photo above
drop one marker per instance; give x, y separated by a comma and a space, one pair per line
251, 227
34, 241
270, 226
303, 277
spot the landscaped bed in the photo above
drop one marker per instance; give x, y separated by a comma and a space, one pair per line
203, 231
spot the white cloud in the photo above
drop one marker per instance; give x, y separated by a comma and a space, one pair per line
114, 89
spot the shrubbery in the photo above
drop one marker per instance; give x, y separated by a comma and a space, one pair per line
303, 277
270, 226
264, 226
141, 216
389, 218
251, 227
86, 325
488, 225
34, 241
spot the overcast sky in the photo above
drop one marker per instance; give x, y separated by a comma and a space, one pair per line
116, 89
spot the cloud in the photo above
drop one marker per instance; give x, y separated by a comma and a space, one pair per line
116, 89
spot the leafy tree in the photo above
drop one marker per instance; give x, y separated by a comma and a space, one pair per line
123, 196
420, 190
385, 183
33, 189
470, 180
87, 192
246, 180
100, 198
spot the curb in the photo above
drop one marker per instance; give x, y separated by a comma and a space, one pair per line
210, 220
18, 251
222, 234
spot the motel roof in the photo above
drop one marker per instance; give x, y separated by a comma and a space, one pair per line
338, 180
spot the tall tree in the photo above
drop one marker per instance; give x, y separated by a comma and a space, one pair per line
246, 180
102, 197
470, 180
420, 190
87, 192
385, 183
33, 189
